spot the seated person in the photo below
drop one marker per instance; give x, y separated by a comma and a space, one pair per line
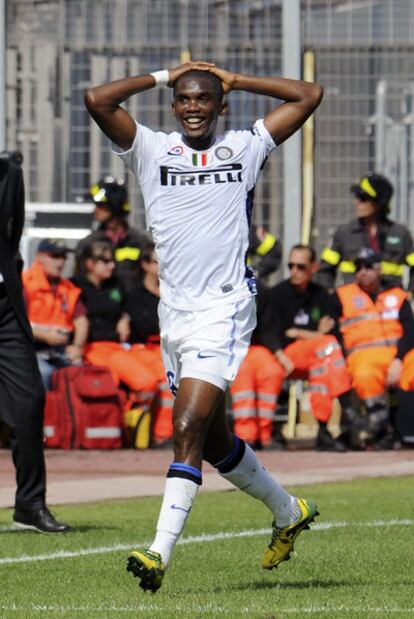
297, 329
109, 325
142, 307
377, 327
254, 391
56, 314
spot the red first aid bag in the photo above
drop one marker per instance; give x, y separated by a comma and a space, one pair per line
83, 410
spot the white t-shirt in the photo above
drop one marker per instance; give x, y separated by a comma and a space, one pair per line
198, 206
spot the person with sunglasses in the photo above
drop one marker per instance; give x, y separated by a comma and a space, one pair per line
109, 323
371, 228
299, 329
377, 328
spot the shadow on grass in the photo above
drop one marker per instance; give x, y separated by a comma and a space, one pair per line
310, 584
86, 528
268, 585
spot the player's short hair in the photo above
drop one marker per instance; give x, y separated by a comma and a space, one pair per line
215, 82
308, 248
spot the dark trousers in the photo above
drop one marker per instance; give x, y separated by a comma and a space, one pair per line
21, 407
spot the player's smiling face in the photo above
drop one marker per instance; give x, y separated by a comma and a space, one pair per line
197, 109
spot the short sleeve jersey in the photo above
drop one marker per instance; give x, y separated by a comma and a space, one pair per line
198, 206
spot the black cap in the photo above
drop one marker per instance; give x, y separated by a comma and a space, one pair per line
367, 257
55, 247
374, 187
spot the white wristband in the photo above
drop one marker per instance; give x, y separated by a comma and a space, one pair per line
161, 77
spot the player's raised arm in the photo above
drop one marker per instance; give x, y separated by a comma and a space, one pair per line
104, 105
104, 102
300, 99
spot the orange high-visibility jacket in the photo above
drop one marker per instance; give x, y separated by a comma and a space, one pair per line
47, 306
368, 324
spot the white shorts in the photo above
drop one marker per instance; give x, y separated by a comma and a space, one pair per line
206, 344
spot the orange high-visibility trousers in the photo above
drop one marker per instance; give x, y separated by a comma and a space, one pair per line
254, 393
150, 356
126, 368
368, 368
320, 361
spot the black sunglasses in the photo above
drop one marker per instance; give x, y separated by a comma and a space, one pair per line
362, 197
363, 265
104, 260
300, 266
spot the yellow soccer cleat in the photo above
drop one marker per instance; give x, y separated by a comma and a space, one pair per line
284, 538
147, 566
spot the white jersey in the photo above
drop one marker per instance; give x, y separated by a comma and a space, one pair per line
198, 207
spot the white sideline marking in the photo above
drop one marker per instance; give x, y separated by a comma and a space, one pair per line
195, 539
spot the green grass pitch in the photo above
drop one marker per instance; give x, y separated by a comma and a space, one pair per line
356, 562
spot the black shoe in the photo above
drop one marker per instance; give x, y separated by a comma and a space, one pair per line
326, 442
40, 520
387, 442
353, 429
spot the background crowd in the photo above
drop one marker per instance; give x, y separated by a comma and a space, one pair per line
353, 343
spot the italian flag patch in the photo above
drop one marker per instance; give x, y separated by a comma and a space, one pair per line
200, 159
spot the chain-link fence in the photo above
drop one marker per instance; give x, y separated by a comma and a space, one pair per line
364, 58
57, 48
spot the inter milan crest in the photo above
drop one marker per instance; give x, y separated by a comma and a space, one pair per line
223, 153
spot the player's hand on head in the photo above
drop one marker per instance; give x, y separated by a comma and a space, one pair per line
227, 78
190, 65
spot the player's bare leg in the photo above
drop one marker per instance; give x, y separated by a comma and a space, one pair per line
193, 411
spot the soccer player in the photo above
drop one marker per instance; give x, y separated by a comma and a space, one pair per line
197, 188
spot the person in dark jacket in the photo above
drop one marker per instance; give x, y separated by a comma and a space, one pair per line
298, 329
372, 228
109, 324
110, 197
21, 389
